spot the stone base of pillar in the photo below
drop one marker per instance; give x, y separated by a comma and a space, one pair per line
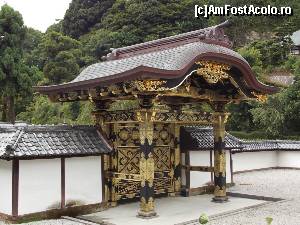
113, 204
219, 199
147, 215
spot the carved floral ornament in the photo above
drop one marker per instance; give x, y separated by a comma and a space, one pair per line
260, 97
150, 85
212, 71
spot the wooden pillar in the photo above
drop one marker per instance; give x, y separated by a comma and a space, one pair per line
63, 183
231, 167
219, 157
104, 170
177, 161
211, 165
146, 160
99, 116
15, 187
187, 174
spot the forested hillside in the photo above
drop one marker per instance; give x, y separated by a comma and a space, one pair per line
89, 30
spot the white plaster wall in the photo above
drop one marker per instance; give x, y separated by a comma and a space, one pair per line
199, 158
289, 159
202, 158
254, 160
228, 173
83, 180
39, 185
5, 187
198, 178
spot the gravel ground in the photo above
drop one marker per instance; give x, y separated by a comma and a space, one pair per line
271, 183
279, 183
50, 222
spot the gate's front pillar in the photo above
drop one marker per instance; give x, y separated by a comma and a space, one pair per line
219, 157
146, 163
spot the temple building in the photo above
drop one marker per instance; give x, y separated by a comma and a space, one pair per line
146, 151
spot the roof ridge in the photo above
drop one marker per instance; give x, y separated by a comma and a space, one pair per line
214, 34
11, 145
60, 127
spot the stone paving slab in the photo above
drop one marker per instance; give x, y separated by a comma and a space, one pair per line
172, 210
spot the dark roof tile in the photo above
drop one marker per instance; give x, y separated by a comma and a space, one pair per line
30, 141
201, 138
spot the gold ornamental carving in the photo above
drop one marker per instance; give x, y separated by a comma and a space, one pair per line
146, 132
150, 85
146, 126
220, 162
146, 170
260, 97
220, 191
213, 72
147, 206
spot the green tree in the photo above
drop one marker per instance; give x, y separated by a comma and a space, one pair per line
32, 40
131, 22
62, 57
280, 115
148, 20
42, 111
82, 15
270, 116
14, 77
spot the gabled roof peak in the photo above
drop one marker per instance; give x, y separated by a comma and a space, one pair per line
214, 34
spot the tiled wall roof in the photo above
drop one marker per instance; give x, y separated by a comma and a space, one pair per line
30, 141
201, 138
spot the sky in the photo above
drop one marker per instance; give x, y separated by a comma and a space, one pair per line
39, 14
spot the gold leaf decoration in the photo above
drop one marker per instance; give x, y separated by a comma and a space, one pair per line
220, 191
213, 72
150, 85
260, 97
147, 170
147, 206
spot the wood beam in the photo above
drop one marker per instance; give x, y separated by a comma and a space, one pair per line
231, 166
211, 165
200, 168
63, 183
15, 187
187, 173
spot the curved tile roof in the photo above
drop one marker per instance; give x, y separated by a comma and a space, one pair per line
30, 141
165, 58
172, 59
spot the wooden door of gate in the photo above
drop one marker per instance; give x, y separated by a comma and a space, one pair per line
125, 174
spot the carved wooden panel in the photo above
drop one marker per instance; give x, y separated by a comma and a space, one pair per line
127, 135
162, 158
126, 180
128, 160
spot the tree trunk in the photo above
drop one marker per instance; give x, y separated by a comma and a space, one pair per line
4, 109
11, 109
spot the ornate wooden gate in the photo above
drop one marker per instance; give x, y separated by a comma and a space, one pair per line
125, 174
